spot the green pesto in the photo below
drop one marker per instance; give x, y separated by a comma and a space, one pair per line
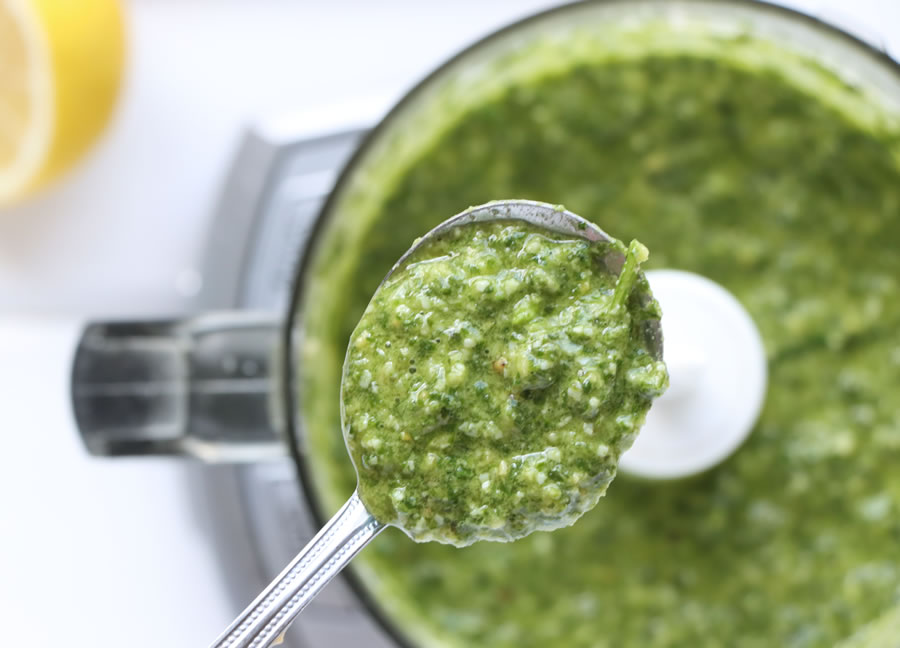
740, 176
495, 379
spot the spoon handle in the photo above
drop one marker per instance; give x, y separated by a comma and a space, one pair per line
266, 619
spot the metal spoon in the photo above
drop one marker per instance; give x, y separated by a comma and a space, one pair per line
265, 620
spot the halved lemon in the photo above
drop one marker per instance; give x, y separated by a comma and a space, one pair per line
60, 71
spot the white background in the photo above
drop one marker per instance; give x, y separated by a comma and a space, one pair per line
108, 553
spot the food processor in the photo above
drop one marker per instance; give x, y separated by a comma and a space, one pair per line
221, 386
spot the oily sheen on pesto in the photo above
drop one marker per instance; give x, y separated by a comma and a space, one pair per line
495, 379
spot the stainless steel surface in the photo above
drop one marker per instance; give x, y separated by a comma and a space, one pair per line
200, 387
267, 618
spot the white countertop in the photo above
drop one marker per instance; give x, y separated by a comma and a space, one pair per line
109, 553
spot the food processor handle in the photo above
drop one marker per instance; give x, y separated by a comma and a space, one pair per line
203, 386
265, 620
